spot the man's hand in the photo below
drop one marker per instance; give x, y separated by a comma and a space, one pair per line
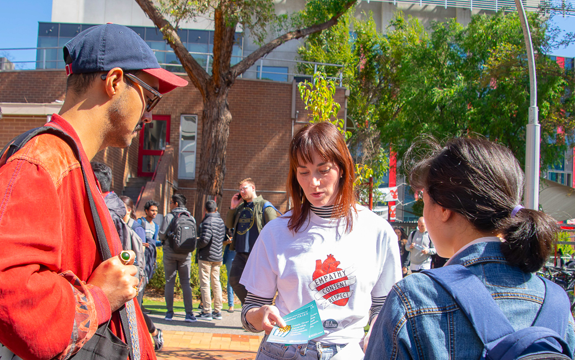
236, 200
412, 246
117, 280
227, 242
425, 251
146, 244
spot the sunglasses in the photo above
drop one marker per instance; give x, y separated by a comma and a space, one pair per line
150, 103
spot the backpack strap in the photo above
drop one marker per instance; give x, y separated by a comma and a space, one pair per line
410, 236
103, 246
491, 325
268, 204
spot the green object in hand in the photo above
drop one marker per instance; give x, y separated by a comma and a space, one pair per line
125, 255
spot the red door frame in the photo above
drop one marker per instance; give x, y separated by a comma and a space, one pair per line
142, 152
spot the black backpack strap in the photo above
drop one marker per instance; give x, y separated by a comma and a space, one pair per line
105, 252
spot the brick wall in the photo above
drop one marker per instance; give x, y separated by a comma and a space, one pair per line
260, 131
13, 125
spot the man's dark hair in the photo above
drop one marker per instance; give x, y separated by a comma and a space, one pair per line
79, 83
180, 199
151, 203
211, 206
103, 174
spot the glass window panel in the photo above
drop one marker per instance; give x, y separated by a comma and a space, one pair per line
236, 55
187, 154
149, 163
171, 58
559, 166
47, 58
87, 26
153, 34
47, 29
70, 30
202, 49
274, 73
155, 135
140, 30
183, 34
198, 36
158, 45
553, 176
238, 39
63, 40
197, 48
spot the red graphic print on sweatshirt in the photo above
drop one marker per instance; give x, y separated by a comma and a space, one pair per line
331, 282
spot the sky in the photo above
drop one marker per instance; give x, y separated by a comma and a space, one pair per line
19, 27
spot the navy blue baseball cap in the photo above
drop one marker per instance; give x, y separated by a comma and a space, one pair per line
104, 47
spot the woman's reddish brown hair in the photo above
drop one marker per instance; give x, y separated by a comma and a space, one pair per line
325, 140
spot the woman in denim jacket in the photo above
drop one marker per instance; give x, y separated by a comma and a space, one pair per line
471, 191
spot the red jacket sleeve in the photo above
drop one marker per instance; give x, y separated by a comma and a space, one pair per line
46, 310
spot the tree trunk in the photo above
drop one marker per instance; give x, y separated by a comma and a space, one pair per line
215, 125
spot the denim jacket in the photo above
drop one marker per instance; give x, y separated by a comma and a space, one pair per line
421, 321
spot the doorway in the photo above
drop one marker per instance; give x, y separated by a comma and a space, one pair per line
153, 140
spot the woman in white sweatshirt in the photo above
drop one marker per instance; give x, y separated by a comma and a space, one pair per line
326, 249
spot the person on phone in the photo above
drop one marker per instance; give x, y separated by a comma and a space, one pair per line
247, 216
421, 248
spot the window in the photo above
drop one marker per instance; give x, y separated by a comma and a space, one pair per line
274, 73
187, 157
53, 36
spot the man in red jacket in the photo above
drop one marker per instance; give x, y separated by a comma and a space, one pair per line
55, 290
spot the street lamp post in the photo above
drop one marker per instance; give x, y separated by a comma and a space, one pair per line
532, 153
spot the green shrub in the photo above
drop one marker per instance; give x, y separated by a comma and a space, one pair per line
158, 281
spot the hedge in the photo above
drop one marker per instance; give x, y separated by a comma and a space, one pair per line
158, 281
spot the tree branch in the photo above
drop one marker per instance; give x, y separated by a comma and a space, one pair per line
251, 59
223, 47
197, 73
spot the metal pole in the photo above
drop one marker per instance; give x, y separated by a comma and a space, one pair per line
533, 138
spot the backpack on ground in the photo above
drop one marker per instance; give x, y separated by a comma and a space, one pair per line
182, 233
132, 241
543, 340
268, 204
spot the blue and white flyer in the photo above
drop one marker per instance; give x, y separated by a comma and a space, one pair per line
302, 325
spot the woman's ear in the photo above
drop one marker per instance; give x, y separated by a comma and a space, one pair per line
446, 214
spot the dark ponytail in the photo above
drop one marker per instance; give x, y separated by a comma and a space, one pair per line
483, 182
528, 239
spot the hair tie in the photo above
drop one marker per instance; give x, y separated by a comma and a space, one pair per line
516, 210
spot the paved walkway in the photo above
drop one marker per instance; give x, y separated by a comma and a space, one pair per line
206, 339
208, 346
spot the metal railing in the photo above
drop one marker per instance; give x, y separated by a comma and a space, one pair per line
283, 70
493, 5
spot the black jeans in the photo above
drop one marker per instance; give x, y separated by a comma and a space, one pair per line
238, 266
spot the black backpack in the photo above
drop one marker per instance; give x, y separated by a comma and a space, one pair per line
182, 233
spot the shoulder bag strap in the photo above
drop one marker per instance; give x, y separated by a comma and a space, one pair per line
105, 253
